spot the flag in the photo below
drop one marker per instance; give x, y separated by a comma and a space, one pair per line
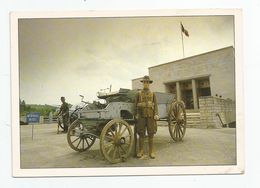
184, 31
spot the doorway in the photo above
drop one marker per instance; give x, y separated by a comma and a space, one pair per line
188, 99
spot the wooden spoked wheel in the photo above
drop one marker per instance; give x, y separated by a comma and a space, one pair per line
177, 120
116, 141
78, 138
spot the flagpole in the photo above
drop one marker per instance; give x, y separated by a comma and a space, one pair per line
182, 41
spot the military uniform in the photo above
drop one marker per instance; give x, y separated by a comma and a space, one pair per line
146, 108
146, 113
64, 111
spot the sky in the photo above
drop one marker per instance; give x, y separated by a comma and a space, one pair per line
72, 56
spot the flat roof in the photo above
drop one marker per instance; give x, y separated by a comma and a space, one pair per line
137, 78
213, 51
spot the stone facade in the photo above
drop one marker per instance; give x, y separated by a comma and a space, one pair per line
137, 84
215, 111
197, 80
218, 66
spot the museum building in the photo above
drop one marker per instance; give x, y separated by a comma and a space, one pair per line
205, 82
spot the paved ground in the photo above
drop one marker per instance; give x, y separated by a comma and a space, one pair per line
200, 147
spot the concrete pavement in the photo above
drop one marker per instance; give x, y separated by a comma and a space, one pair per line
199, 147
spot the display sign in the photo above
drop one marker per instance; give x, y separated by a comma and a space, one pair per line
33, 117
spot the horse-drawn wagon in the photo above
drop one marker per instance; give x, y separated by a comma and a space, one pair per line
112, 122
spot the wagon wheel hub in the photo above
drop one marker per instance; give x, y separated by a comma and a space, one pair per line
122, 140
119, 141
179, 120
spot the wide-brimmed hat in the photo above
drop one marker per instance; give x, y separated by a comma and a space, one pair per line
146, 78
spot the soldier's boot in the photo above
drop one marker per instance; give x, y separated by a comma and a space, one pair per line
151, 149
141, 147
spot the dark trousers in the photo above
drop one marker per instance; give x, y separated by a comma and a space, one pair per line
66, 122
146, 125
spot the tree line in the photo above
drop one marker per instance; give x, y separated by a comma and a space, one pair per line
44, 110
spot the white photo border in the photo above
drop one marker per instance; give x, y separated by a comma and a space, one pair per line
128, 171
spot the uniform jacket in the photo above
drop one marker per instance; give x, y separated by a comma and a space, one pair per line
64, 109
146, 108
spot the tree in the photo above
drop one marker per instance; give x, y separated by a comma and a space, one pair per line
22, 106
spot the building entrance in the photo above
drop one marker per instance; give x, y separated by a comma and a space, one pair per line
204, 91
188, 99
190, 90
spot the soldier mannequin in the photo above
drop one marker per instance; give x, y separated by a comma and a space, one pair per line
146, 114
64, 111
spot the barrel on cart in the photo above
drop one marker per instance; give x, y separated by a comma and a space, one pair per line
113, 123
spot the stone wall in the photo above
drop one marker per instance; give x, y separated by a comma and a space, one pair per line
216, 111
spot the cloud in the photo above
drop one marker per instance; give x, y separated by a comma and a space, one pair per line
81, 56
